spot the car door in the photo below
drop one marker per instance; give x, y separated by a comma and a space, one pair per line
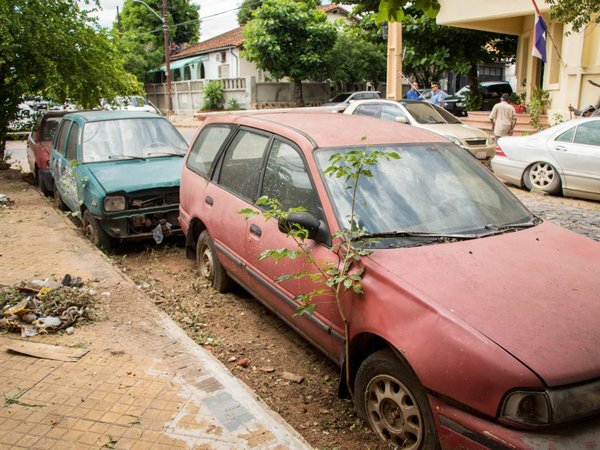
287, 180
577, 151
236, 188
65, 163
34, 146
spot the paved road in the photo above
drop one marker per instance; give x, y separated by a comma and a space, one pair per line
580, 216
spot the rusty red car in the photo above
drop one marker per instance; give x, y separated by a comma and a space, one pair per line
478, 324
38, 148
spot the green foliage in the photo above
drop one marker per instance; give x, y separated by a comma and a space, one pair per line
233, 105
290, 39
57, 50
578, 13
337, 278
213, 95
540, 100
473, 101
431, 49
392, 10
140, 35
359, 56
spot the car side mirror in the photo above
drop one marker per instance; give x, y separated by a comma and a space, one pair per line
401, 119
304, 220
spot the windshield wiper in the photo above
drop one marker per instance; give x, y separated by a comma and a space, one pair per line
126, 156
165, 154
499, 229
441, 236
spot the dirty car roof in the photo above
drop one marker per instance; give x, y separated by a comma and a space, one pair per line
97, 116
326, 129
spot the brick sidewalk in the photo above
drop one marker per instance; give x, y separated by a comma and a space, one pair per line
143, 385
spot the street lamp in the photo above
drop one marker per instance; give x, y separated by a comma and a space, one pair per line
165, 27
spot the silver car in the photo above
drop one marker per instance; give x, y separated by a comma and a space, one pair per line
563, 158
430, 117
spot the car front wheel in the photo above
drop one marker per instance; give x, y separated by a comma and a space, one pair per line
542, 176
209, 266
391, 399
95, 233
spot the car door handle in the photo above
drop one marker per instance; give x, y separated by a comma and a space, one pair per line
255, 229
208, 200
560, 148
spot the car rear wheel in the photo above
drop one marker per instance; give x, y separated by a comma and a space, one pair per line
542, 176
42, 184
58, 201
390, 398
209, 266
94, 232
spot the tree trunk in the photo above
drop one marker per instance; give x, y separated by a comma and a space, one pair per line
473, 79
298, 93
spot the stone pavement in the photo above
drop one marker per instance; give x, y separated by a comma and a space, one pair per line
143, 385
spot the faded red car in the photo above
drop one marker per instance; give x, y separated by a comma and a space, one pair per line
478, 326
38, 148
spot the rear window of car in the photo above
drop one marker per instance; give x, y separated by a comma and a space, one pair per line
206, 147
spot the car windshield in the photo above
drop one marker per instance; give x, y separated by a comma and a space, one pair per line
49, 128
462, 91
340, 98
431, 189
428, 114
131, 138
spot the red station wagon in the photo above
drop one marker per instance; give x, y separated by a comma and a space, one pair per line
478, 325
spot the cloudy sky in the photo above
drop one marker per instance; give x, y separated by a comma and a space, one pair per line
217, 16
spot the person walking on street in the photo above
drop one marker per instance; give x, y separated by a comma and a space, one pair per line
503, 118
413, 93
437, 95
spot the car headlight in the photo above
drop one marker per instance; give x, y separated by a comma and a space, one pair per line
460, 104
114, 203
553, 406
528, 408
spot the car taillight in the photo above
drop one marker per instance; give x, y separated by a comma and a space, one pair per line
499, 151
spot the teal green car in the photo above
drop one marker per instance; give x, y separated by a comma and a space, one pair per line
118, 172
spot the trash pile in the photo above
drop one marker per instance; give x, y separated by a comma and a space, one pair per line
45, 306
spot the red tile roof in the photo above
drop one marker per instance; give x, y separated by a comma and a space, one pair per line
233, 38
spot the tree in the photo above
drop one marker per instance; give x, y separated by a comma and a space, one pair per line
247, 7
578, 13
432, 49
393, 10
290, 39
140, 32
56, 50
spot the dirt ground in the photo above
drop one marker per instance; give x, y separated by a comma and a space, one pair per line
255, 344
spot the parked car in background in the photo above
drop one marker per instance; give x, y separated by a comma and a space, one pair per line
477, 327
131, 103
341, 101
430, 117
38, 148
118, 172
491, 93
563, 159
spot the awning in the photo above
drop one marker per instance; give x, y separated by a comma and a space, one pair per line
179, 63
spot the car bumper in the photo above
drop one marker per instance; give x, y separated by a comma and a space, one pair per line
459, 429
483, 153
509, 170
140, 226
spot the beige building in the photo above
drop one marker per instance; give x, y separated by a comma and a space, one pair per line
571, 60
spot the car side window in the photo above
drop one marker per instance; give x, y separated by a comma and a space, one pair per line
206, 147
389, 112
62, 137
241, 165
567, 136
371, 110
72, 142
588, 133
286, 179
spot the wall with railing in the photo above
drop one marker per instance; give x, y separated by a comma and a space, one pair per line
246, 93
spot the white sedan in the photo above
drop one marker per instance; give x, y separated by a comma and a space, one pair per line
563, 158
422, 114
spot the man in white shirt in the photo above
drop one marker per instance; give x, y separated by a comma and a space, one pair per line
504, 118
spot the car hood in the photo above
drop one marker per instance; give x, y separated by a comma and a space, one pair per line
134, 175
535, 293
456, 129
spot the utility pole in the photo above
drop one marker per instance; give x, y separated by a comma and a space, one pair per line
394, 61
165, 27
167, 57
